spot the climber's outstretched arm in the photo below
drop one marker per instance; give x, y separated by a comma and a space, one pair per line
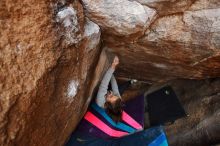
115, 86
103, 88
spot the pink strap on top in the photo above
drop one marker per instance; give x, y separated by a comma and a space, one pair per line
128, 119
102, 126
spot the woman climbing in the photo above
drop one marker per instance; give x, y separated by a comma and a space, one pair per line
97, 128
110, 100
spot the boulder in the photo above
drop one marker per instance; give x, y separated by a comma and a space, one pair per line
54, 53
121, 17
70, 27
175, 46
48, 57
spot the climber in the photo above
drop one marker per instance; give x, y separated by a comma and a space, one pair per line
111, 101
105, 123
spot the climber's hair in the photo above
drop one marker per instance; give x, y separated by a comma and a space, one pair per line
114, 110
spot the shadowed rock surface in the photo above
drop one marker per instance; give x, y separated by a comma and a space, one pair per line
200, 99
54, 53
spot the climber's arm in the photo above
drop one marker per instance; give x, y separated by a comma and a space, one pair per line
100, 99
115, 86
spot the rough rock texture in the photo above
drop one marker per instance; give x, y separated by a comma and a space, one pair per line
47, 57
202, 106
67, 17
205, 4
169, 7
49, 52
176, 46
120, 17
201, 100
166, 7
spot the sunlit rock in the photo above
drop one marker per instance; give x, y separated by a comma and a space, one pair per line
47, 59
67, 18
204, 26
53, 55
93, 33
175, 46
120, 17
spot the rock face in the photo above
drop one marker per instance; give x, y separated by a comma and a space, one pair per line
202, 105
67, 17
49, 52
166, 7
47, 61
174, 46
120, 17
203, 108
